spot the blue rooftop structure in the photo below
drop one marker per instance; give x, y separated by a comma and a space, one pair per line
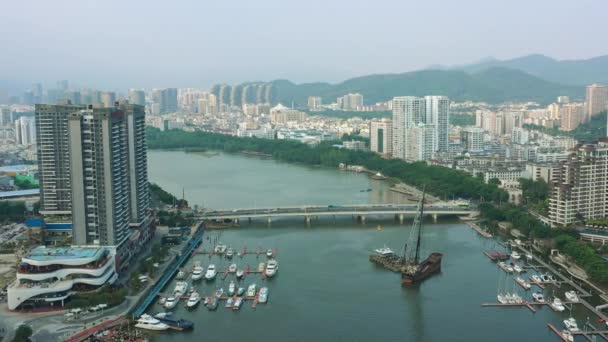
42, 253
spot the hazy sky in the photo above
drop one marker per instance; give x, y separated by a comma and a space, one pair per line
133, 43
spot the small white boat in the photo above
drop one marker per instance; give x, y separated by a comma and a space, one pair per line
557, 305
229, 253
261, 266
148, 322
517, 298
237, 303
271, 268
535, 278
232, 268
206, 301
509, 268
517, 268
240, 273
269, 253
171, 302
194, 299
517, 241
180, 275
384, 251
571, 325
219, 292
571, 296
515, 255
263, 295
197, 271
529, 256
162, 300
502, 299
211, 272
566, 335
538, 297
231, 288
545, 278
251, 290
181, 287
229, 302
240, 291
163, 315
220, 249
523, 283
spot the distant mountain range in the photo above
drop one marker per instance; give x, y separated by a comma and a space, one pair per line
573, 72
491, 84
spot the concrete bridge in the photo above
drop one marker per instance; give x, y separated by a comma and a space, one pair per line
358, 211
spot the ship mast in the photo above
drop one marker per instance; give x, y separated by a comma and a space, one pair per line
411, 255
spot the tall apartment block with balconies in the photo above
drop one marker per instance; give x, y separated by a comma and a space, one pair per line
580, 185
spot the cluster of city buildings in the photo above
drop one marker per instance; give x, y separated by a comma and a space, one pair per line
94, 197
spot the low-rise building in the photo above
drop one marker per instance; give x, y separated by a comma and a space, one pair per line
47, 276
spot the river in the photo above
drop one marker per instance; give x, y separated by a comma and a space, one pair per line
326, 289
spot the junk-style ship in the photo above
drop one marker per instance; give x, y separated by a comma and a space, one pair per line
412, 270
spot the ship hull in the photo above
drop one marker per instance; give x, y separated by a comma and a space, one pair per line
427, 268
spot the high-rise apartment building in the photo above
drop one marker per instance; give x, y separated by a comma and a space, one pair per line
351, 101
108, 98
314, 103
381, 136
93, 167
571, 115
137, 97
580, 185
25, 131
54, 157
407, 112
438, 115
596, 99
472, 139
421, 142
168, 100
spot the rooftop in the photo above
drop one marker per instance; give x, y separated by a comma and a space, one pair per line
43, 253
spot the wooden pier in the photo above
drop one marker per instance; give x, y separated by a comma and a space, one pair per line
587, 334
478, 229
528, 305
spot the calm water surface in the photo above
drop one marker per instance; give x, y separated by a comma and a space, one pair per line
326, 289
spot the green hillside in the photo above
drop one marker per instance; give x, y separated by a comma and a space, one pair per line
494, 85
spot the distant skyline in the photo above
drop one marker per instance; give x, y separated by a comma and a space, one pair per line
116, 45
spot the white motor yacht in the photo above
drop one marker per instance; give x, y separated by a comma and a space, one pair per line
229, 253
197, 271
557, 305
148, 322
237, 303
384, 251
269, 253
220, 249
523, 283
180, 275
171, 302
232, 268
517, 268
571, 324
261, 266
240, 273
194, 299
538, 297
271, 268
251, 290
231, 288
571, 296
535, 278
229, 302
509, 268
181, 288
515, 255
502, 299
240, 291
211, 272
219, 292
529, 257
263, 295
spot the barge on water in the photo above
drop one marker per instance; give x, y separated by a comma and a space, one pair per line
410, 267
